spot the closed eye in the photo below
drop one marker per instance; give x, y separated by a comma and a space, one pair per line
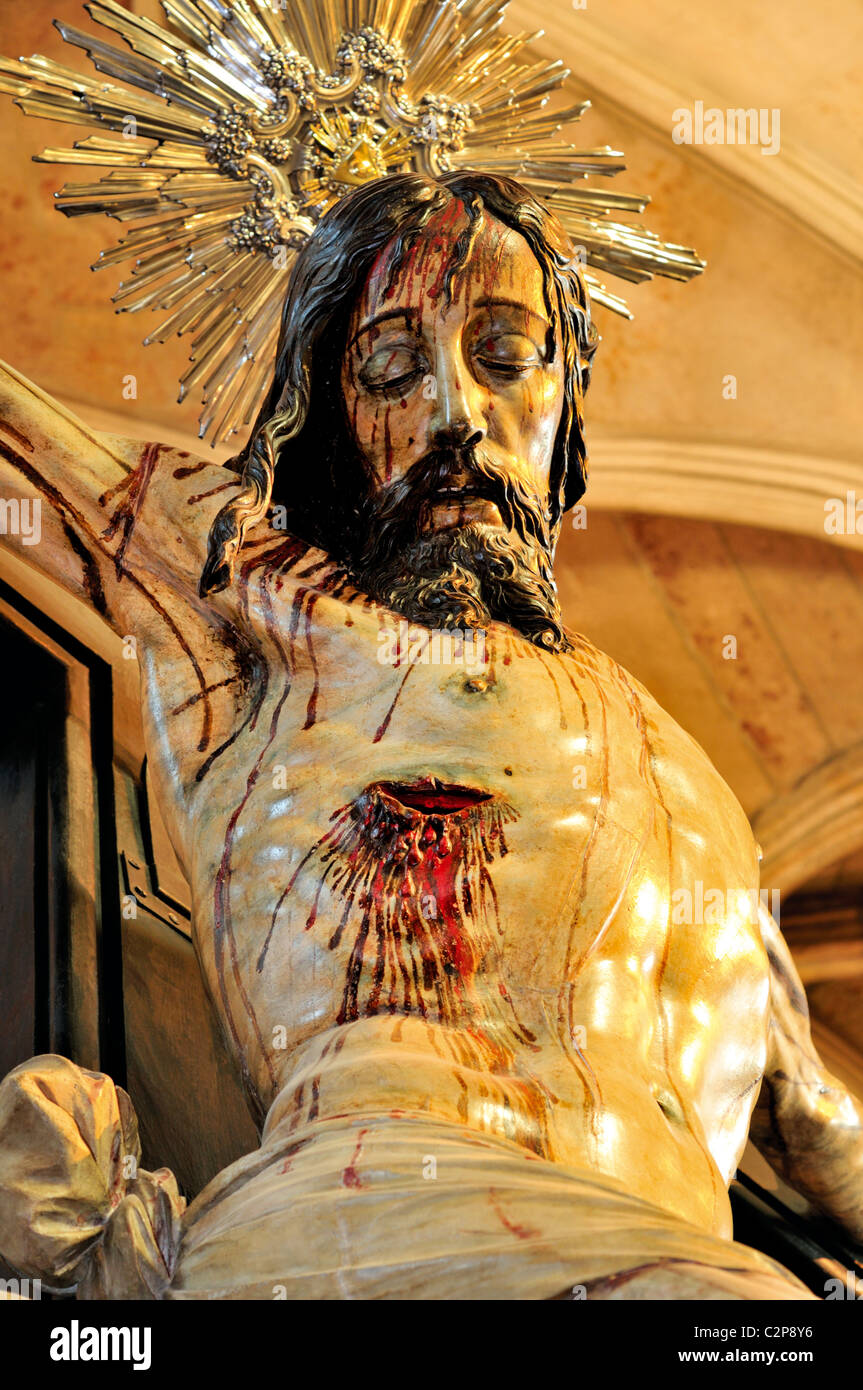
391, 384
503, 368
392, 368
507, 354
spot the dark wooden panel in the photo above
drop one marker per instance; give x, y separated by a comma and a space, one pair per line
191, 1111
33, 947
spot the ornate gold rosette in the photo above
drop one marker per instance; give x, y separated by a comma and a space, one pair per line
237, 126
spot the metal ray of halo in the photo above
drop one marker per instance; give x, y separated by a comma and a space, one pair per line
228, 132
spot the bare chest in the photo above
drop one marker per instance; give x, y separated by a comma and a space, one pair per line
318, 852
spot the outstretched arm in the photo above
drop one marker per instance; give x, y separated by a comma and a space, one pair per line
806, 1123
67, 494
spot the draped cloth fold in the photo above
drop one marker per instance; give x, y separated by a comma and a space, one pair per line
380, 1206
407, 1208
75, 1206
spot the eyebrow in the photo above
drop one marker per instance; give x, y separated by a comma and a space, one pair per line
489, 302
406, 313
492, 302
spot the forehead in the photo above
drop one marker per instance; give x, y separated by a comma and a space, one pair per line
499, 264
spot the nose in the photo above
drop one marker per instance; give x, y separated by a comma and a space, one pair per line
457, 420
458, 434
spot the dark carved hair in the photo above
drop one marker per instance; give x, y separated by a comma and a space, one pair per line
301, 453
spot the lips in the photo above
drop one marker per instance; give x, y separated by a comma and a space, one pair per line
459, 494
461, 485
463, 503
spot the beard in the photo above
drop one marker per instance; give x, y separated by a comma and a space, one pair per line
463, 576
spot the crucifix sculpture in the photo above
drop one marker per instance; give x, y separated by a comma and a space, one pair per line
432, 837
431, 897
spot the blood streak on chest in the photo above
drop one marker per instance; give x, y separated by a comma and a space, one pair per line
412, 869
402, 893
402, 885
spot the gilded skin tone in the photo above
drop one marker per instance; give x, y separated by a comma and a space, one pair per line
555, 1006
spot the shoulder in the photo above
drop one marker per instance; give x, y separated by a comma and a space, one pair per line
163, 508
167, 505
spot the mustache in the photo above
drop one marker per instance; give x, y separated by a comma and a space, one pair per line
396, 514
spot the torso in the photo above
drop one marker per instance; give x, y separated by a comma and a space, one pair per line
530, 982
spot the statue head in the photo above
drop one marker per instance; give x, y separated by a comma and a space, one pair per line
424, 424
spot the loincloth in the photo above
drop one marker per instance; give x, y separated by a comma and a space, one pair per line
375, 1207
403, 1208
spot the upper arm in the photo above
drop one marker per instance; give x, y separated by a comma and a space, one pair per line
793, 1071
59, 485
806, 1122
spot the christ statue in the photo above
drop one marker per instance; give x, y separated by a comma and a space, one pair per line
431, 835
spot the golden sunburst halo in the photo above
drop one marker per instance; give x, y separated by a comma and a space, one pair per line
229, 131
